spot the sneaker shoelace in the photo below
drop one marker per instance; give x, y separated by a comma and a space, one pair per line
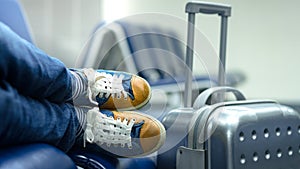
101, 129
102, 84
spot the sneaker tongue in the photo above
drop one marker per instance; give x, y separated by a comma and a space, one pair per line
126, 81
101, 100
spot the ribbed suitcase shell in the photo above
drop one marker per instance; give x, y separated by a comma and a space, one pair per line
250, 134
247, 134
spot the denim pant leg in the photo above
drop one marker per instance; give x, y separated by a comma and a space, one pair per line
26, 120
32, 72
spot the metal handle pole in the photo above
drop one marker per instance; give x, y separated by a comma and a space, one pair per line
222, 54
189, 60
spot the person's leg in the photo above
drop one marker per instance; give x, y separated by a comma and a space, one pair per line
25, 120
31, 71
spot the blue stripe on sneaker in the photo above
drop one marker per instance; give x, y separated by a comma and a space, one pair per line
136, 130
107, 113
128, 88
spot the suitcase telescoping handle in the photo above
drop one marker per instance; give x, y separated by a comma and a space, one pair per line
208, 8
203, 98
192, 8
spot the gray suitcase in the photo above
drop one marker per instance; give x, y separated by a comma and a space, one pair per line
250, 134
217, 134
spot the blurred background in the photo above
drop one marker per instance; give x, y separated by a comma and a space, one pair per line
263, 36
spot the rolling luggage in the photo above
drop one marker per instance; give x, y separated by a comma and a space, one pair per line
236, 134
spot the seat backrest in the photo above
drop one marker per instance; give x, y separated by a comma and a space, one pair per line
158, 53
12, 14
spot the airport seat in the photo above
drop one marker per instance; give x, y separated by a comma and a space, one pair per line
152, 52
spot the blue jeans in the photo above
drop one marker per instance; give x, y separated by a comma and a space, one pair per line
35, 92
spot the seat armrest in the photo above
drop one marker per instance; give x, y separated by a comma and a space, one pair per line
34, 156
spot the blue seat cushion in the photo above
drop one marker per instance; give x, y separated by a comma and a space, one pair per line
34, 156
